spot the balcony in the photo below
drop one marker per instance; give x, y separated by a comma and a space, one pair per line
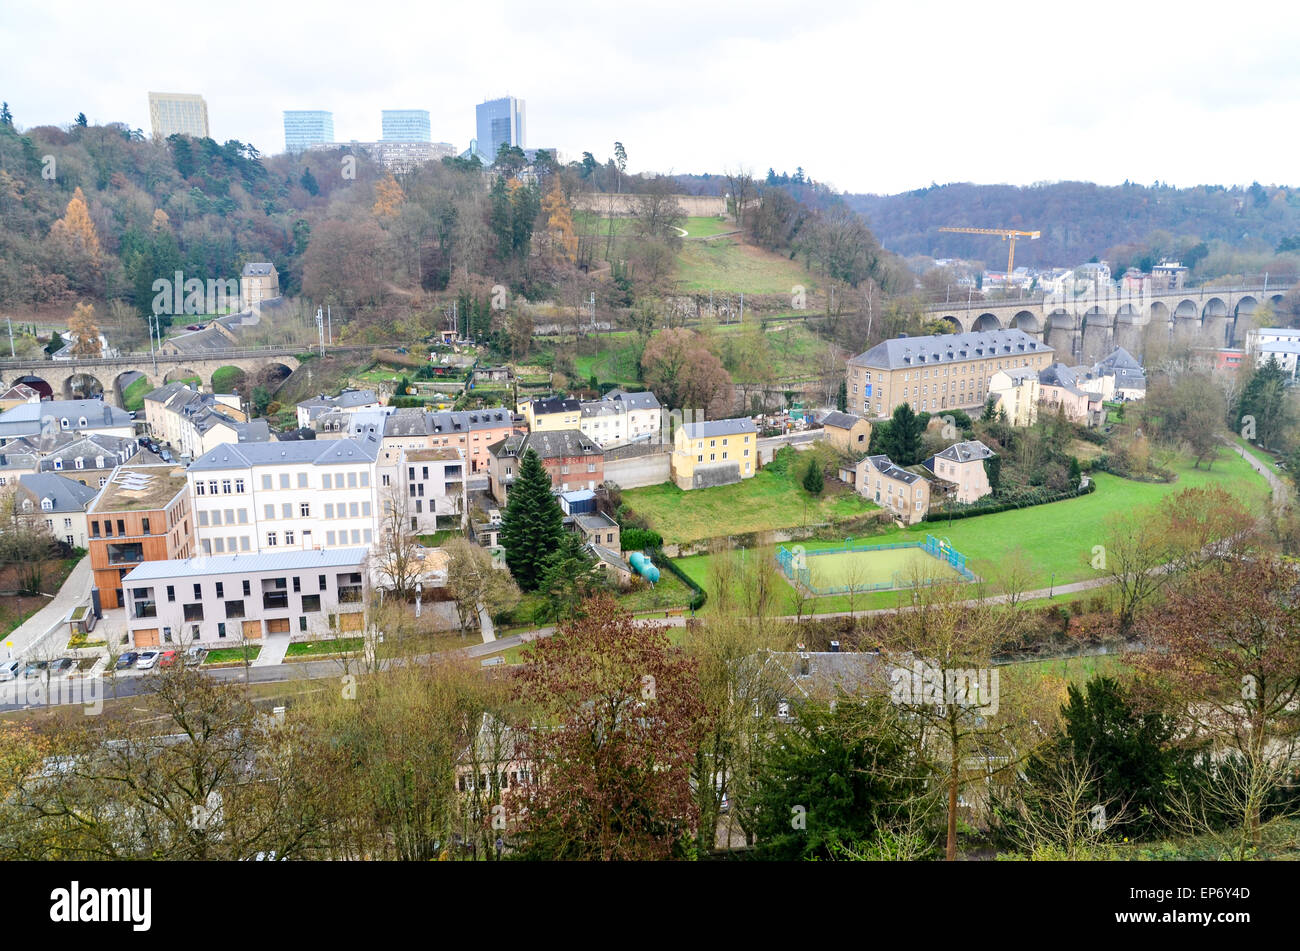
350, 595
275, 600
145, 609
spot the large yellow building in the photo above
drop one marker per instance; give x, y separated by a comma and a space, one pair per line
552, 414
945, 371
717, 452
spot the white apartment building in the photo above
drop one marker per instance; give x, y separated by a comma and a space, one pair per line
1279, 343
619, 418
261, 497
428, 485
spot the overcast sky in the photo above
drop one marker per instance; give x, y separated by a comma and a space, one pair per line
869, 97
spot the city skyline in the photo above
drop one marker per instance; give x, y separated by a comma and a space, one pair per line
595, 80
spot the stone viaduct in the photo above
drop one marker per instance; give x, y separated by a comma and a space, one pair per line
156, 368
1084, 328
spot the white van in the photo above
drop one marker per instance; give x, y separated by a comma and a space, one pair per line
10, 670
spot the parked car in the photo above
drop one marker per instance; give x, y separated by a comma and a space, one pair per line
196, 655
147, 660
62, 665
167, 659
126, 660
10, 670
35, 667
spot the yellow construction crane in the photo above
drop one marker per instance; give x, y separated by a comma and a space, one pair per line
1006, 234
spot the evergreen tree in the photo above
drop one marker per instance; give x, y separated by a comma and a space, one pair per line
812, 479
990, 410
308, 182
1076, 472
902, 443
570, 575
1264, 401
842, 397
532, 524
6, 117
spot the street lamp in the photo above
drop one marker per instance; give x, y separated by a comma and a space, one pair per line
418, 591
1052, 590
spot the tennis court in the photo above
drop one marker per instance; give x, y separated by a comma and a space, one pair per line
869, 567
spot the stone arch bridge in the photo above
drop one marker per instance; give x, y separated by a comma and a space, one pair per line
156, 368
1084, 328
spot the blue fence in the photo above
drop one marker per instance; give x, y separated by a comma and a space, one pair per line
794, 564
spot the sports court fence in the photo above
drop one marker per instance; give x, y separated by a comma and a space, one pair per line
794, 564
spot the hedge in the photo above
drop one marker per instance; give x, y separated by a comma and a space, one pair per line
943, 515
634, 539
663, 561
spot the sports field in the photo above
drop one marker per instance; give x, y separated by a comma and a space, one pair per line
870, 569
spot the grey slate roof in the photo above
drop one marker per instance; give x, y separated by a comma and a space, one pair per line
966, 452
609, 557
841, 420
1058, 374
446, 422
555, 404
720, 427
641, 400
258, 269
319, 453
28, 419
67, 495
949, 348
886, 467
828, 673
548, 445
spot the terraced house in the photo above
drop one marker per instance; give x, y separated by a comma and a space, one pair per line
619, 418
945, 371
573, 460
256, 497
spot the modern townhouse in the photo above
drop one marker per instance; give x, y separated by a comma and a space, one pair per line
221, 600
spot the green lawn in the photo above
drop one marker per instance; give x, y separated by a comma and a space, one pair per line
133, 396
769, 500
225, 379
705, 227
338, 645
731, 266
1056, 539
226, 655
438, 539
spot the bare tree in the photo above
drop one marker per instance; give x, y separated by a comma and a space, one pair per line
396, 556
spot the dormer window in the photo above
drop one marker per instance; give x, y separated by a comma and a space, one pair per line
58, 463
81, 463
27, 505
82, 422
47, 505
65, 422
99, 462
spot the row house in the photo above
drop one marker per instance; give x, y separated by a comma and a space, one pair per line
619, 418
473, 432
142, 514
553, 414
76, 416
221, 600
164, 409
893, 488
573, 460
934, 373
255, 497
59, 503
89, 460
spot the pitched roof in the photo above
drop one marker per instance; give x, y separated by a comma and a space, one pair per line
826, 674
548, 445
66, 494
948, 348
885, 467
840, 420
968, 451
311, 452
289, 560
719, 427
258, 269
554, 404
446, 422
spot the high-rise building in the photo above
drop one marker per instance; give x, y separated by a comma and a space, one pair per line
500, 122
307, 127
178, 113
406, 125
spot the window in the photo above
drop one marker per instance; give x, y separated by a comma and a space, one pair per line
329, 509
329, 538
270, 511
310, 603
234, 610
198, 591
352, 480
198, 488
225, 486
58, 463
194, 612
325, 481
288, 538
304, 509
365, 478
212, 487
239, 485
284, 480
352, 506
81, 463
266, 482
243, 516
365, 509
302, 623
286, 510
385, 478
270, 539
221, 629
302, 480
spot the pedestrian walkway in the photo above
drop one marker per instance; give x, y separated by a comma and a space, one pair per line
485, 625
75, 591
273, 648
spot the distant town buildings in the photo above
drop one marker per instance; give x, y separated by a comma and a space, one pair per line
1264, 343
304, 128
406, 125
500, 122
178, 113
395, 156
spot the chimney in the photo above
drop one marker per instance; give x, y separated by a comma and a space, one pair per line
835, 647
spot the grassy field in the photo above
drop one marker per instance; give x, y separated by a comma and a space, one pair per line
227, 655
769, 500
1056, 540
706, 227
225, 379
729, 265
864, 569
133, 396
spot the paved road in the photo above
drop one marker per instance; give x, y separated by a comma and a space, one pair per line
1280, 490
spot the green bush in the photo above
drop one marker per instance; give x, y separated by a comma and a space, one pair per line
635, 539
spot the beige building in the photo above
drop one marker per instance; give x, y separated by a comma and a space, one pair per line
946, 371
1059, 392
905, 494
259, 282
962, 464
178, 113
551, 414
1016, 392
718, 452
847, 432
59, 502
